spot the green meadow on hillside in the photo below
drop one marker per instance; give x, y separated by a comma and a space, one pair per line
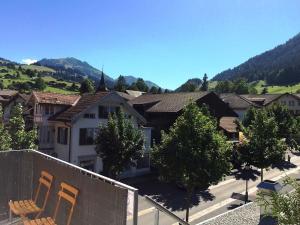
276, 89
9, 76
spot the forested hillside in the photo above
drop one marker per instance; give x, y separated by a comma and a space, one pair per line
279, 66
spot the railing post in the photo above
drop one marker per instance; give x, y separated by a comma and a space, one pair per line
156, 219
135, 207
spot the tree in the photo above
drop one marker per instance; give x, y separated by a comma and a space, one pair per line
284, 206
263, 147
40, 84
1, 85
141, 85
204, 86
264, 91
119, 144
287, 123
159, 91
5, 139
102, 85
22, 139
121, 84
87, 86
153, 90
193, 153
74, 87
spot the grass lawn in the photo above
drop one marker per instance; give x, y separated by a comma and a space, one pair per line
276, 89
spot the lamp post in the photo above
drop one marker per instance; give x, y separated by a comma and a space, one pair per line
247, 169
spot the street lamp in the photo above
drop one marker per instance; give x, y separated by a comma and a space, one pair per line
247, 170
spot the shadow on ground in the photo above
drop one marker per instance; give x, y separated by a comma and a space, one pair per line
243, 174
285, 165
169, 195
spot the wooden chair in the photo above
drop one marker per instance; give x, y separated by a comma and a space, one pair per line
70, 196
23, 208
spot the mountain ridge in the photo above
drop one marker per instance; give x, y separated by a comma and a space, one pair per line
280, 65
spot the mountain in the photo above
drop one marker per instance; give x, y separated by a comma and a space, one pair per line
191, 85
76, 65
6, 61
132, 79
279, 66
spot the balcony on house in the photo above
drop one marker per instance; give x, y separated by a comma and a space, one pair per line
100, 200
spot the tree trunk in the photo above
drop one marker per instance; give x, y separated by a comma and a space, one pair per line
188, 203
261, 174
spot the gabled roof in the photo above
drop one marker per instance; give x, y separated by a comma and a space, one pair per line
54, 98
266, 99
168, 102
236, 101
84, 102
87, 101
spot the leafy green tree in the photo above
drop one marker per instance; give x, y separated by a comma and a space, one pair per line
21, 138
87, 86
40, 84
224, 87
204, 86
283, 206
249, 116
1, 85
119, 144
5, 140
134, 87
193, 153
121, 84
74, 87
188, 87
263, 147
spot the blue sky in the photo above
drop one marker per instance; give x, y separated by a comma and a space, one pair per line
165, 41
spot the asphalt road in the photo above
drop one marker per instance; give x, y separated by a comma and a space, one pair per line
206, 204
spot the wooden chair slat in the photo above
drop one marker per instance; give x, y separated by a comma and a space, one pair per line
67, 197
69, 188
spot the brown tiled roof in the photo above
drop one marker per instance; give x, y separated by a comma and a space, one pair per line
264, 99
54, 98
228, 124
8, 93
236, 101
85, 101
169, 102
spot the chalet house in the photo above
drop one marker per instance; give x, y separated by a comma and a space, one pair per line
75, 129
292, 101
42, 106
8, 99
238, 103
161, 110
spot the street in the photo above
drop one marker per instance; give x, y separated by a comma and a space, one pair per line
206, 204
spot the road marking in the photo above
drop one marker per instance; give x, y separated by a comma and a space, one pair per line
230, 200
143, 212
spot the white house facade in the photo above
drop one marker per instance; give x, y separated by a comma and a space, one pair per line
75, 130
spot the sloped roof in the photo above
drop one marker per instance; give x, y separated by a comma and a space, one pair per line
54, 98
236, 101
8, 93
84, 102
168, 102
134, 93
125, 96
265, 99
228, 124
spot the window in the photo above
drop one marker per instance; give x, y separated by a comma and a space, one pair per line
87, 136
104, 111
89, 115
62, 135
291, 103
